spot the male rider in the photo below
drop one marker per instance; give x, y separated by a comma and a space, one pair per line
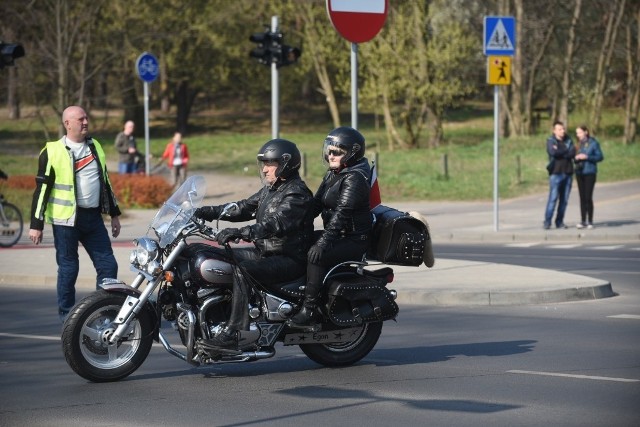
281, 234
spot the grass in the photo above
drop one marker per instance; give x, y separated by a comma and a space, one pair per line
461, 169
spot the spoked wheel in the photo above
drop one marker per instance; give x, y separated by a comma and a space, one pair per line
347, 353
86, 334
11, 225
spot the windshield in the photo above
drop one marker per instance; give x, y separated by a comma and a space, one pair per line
176, 212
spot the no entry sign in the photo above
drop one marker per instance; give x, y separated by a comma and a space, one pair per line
357, 20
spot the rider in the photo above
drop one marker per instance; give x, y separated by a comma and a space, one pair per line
281, 235
343, 201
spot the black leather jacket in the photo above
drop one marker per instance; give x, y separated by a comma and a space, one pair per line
284, 221
343, 200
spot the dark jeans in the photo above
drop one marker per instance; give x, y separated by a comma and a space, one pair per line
92, 233
343, 250
586, 184
559, 191
269, 270
127, 168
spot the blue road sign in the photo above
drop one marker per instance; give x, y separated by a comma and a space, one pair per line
147, 67
499, 35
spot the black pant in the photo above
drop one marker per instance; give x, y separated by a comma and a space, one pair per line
586, 184
345, 249
269, 270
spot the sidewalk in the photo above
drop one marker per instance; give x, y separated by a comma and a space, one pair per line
450, 282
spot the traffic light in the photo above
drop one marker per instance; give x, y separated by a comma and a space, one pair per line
9, 52
270, 49
289, 55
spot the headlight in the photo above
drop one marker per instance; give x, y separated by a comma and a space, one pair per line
146, 250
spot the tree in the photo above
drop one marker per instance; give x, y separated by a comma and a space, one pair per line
418, 65
632, 56
614, 12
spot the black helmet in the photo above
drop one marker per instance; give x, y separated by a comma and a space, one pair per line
349, 140
285, 153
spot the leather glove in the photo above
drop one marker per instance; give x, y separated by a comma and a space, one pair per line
208, 213
315, 254
228, 234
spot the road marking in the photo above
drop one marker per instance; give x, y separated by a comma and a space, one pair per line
582, 377
625, 316
522, 245
33, 337
563, 246
606, 248
48, 338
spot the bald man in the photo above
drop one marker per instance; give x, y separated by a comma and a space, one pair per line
72, 192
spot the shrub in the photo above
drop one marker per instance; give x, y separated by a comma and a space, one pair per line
140, 191
132, 191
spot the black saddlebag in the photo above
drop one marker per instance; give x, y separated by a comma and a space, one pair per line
398, 238
360, 300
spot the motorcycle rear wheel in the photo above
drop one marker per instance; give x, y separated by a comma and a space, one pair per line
345, 354
86, 333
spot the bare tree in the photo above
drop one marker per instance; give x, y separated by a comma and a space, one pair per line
615, 13
568, 60
632, 101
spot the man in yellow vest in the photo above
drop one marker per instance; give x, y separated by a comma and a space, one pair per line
72, 192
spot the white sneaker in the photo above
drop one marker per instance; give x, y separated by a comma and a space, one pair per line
580, 226
590, 227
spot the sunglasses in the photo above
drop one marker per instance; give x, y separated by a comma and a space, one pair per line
337, 153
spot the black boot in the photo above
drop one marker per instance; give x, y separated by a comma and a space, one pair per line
306, 316
226, 338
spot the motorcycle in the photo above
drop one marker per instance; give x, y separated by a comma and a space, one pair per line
185, 280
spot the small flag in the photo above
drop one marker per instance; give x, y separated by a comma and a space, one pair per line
374, 194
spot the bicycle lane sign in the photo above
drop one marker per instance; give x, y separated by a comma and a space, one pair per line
147, 67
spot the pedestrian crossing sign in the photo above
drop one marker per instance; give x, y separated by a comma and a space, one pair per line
499, 35
499, 70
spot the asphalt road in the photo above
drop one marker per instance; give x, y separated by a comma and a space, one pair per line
557, 364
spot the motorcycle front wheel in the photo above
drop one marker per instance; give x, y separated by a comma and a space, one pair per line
348, 353
86, 333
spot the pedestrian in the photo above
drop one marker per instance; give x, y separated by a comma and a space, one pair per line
281, 234
561, 152
586, 167
72, 192
343, 202
177, 156
127, 148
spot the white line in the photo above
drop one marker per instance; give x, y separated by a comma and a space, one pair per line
522, 245
563, 246
582, 377
47, 338
625, 316
607, 248
32, 337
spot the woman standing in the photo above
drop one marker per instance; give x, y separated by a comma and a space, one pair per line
586, 169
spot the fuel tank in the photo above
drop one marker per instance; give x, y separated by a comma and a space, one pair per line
208, 266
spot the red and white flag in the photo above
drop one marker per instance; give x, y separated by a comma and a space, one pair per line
374, 194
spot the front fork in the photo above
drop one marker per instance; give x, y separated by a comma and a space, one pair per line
133, 304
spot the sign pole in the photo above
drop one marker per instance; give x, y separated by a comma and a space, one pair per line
499, 39
275, 89
146, 128
496, 152
147, 69
354, 85
358, 21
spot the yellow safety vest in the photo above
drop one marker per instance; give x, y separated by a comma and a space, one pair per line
61, 206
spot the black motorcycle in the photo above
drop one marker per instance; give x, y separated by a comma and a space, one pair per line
188, 283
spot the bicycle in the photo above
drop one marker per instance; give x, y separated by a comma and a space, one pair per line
11, 224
